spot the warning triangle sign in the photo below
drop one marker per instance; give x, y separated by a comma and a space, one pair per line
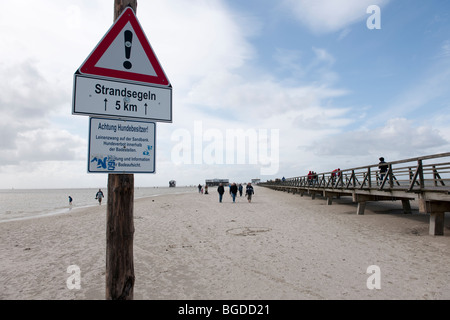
125, 53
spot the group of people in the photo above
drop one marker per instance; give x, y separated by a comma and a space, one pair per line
335, 173
201, 190
234, 189
312, 176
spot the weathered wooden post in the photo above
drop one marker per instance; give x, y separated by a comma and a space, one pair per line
120, 224
119, 237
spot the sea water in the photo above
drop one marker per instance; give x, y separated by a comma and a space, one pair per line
17, 204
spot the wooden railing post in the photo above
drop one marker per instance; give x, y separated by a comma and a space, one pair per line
420, 171
391, 176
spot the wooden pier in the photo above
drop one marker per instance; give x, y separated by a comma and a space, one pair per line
423, 179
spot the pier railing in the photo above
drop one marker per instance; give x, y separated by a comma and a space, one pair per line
426, 179
421, 174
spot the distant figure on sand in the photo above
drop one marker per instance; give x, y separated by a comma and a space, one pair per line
70, 200
233, 191
249, 192
199, 188
240, 190
99, 196
206, 189
221, 191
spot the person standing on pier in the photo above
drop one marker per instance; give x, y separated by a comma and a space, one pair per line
383, 168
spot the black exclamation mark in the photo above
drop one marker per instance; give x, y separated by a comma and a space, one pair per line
128, 40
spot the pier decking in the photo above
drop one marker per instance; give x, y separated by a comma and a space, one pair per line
424, 179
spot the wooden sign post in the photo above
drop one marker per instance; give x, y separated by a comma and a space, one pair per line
120, 224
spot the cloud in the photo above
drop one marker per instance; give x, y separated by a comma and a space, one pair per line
444, 50
258, 95
398, 137
206, 37
327, 16
41, 144
26, 93
321, 119
259, 98
317, 69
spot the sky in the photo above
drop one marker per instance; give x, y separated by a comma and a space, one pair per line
261, 89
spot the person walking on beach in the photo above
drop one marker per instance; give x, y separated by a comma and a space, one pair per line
199, 188
233, 191
221, 191
206, 189
99, 196
249, 192
70, 200
240, 189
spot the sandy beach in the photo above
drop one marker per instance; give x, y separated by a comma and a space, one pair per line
190, 246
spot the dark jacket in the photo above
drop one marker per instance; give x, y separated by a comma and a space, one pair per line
233, 189
221, 190
383, 166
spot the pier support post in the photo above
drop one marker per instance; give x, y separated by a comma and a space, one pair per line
437, 223
361, 207
329, 200
361, 200
329, 196
406, 207
437, 210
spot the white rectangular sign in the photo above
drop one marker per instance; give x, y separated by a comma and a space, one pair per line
121, 99
118, 146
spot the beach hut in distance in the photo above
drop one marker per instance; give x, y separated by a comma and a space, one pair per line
172, 183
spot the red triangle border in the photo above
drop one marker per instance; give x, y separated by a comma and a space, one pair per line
88, 67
